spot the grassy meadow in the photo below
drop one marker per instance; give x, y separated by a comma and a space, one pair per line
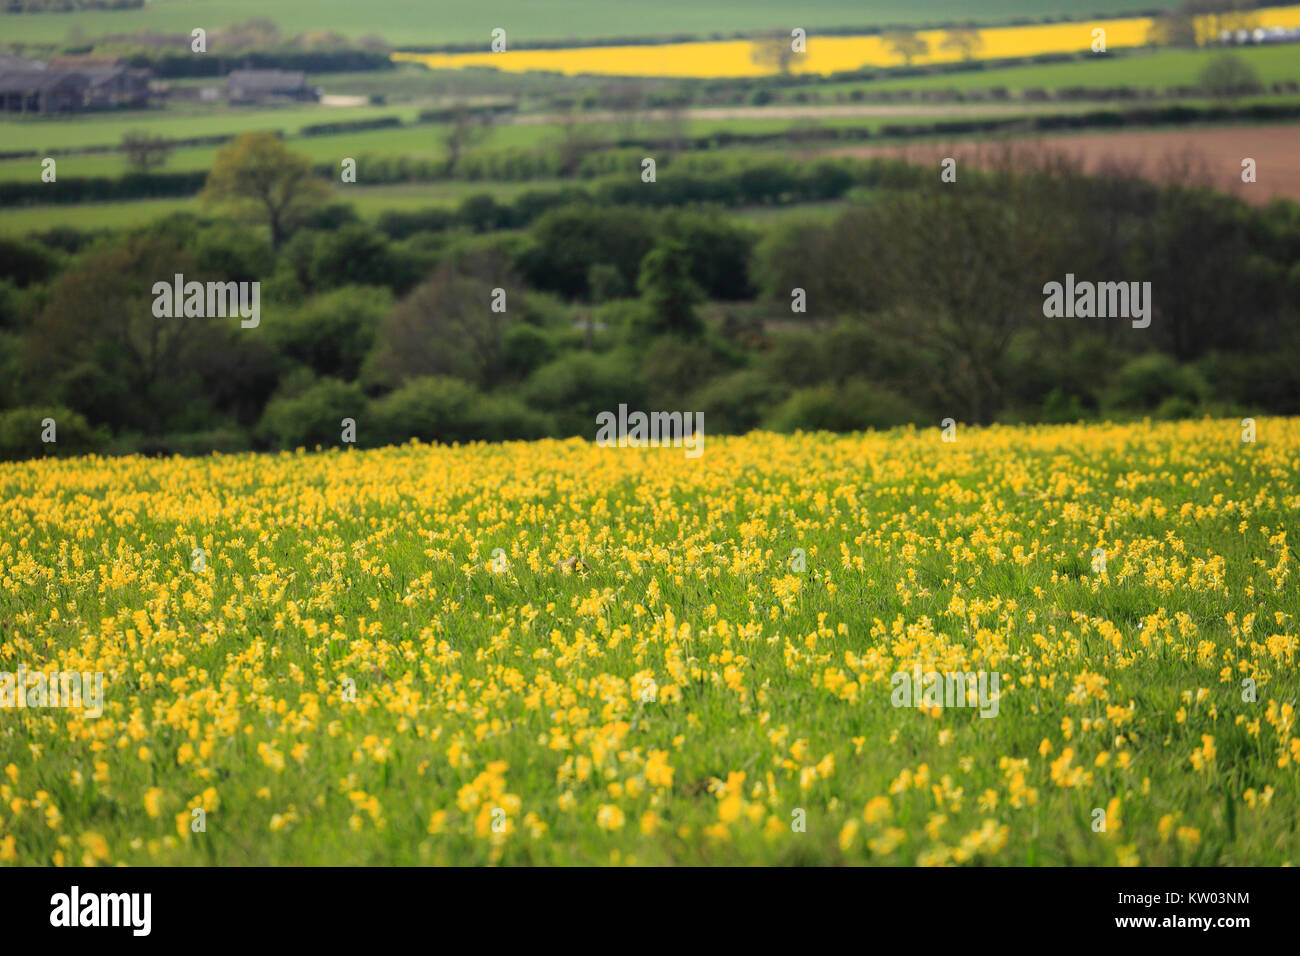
561, 653
467, 21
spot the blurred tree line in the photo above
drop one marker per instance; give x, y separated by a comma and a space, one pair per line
913, 301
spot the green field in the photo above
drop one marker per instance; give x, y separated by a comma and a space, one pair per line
178, 122
467, 21
422, 140
559, 653
369, 201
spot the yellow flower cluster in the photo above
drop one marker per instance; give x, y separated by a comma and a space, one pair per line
825, 54
351, 676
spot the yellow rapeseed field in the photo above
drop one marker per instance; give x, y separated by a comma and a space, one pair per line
556, 652
825, 54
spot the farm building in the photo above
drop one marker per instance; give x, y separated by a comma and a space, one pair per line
259, 86
70, 83
42, 91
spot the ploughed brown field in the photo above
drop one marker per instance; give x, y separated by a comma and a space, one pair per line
1210, 156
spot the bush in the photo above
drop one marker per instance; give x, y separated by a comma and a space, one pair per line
356, 254
25, 263
672, 366
21, 432
1061, 408
568, 241
577, 386
1229, 75
1146, 382
1270, 381
399, 225
1176, 407
527, 348
853, 406
333, 332
737, 403
314, 416
233, 254
720, 252
449, 410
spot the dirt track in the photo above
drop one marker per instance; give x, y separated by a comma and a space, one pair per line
816, 112
1210, 156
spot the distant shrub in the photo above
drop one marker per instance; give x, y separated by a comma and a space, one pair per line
25, 263
737, 403
1229, 75
332, 333
853, 406
449, 410
1145, 382
575, 387
21, 433
314, 416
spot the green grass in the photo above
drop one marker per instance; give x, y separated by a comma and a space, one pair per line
467, 21
106, 129
369, 202
422, 140
355, 675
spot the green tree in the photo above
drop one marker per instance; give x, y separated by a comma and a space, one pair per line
1227, 76
668, 289
145, 151
258, 179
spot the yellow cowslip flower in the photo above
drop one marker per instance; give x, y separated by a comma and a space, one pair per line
153, 801
878, 810
609, 817
848, 834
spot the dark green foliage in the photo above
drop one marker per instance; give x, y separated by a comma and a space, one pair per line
670, 290
568, 241
577, 386
449, 410
313, 416
332, 333
852, 406
662, 299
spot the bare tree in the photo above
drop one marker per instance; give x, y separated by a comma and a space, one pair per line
906, 44
1177, 28
465, 129
449, 326
773, 51
965, 40
576, 140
